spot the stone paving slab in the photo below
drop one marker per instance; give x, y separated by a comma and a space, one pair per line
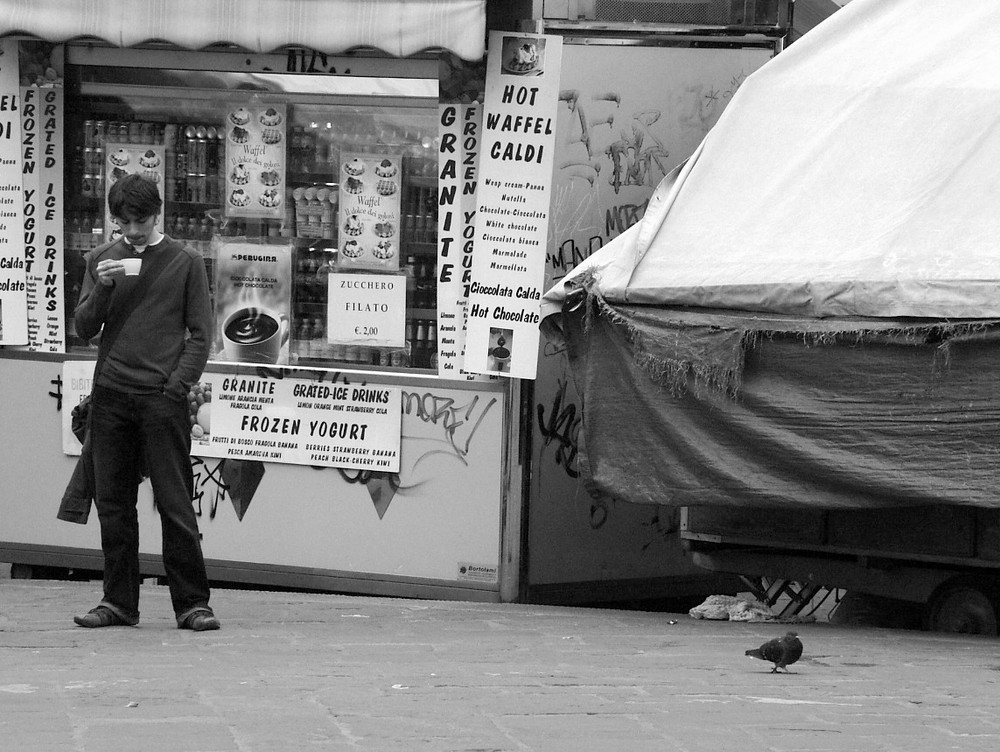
299, 671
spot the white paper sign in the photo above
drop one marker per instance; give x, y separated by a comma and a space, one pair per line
13, 284
292, 421
299, 422
367, 309
513, 197
42, 179
460, 129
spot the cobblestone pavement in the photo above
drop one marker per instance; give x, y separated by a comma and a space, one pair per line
294, 671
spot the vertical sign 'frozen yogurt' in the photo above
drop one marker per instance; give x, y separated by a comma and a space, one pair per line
512, 215
41, 179
13, 285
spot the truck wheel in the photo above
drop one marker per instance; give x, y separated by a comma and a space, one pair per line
964, 607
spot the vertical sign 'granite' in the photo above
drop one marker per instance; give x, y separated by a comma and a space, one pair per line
512, 212
460, 128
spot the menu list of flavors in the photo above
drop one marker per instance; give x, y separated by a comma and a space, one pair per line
369, 212
512, 212
42, 181
255, 161
124, 159
13, 284
355, 426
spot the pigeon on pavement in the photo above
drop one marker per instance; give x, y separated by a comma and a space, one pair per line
780, 651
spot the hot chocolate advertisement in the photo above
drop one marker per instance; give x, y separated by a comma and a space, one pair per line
369, 213
512, 211
299, 422
124, 159
255, 161
253, 294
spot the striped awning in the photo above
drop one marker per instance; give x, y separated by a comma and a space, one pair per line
397, 27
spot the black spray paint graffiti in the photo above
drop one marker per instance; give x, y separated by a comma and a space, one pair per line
57, 382
570, 255
619, 218
459, 422
208, 486
562, 428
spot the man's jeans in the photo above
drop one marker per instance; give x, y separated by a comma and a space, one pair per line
129, 432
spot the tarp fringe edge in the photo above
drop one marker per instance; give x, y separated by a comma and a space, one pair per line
679, 375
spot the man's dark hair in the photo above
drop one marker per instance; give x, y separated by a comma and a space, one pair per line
134, 197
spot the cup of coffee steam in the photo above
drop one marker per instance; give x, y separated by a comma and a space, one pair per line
254, 335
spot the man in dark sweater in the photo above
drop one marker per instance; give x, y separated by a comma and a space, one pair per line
139, 409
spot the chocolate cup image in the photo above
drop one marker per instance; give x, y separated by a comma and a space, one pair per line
501, 355
254, 335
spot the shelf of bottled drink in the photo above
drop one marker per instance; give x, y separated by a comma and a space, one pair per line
194, 185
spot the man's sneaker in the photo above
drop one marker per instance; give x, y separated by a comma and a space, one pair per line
102, 616
201, 620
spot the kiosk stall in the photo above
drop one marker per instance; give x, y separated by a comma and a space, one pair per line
296, 147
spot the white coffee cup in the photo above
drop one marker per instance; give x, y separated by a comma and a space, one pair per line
132, 266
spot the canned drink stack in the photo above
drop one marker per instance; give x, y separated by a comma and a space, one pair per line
201, 149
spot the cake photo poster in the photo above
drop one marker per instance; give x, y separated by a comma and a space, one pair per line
126, 159
253, 295
369, 213
255, 161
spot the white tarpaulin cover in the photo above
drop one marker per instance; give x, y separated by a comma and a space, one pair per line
398, 27
806, 316
855, 174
